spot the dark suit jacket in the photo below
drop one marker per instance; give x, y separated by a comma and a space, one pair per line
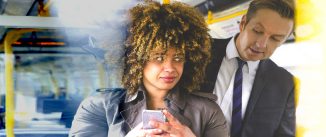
270, 111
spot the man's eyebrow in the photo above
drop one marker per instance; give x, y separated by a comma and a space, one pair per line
260, 26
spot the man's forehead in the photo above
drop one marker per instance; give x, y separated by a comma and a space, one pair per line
272, 22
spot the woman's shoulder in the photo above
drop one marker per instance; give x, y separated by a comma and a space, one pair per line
208, 109
105, 96
92, 117
211, 116
203, 101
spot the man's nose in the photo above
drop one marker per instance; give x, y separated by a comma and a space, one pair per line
262, 41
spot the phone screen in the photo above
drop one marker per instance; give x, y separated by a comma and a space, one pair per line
148, 115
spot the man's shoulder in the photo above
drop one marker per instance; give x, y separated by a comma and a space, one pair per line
272, 66
278, 74
218, 41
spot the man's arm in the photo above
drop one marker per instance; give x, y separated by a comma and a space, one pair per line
287, 124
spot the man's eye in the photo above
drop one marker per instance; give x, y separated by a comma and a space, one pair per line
257, 31
275, 39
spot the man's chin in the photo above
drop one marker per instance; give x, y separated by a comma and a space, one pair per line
253, 58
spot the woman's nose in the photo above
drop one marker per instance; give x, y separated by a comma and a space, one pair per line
168, 66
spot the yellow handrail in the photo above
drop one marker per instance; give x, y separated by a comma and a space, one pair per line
9, 114
55, 84
296, 90
43, 10
11, 37
166, 1
210, 19
102, 75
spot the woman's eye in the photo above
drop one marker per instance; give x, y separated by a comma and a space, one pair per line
178, 59
159, 58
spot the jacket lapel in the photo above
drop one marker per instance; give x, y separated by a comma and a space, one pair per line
182, 119
132, 114
175, 102
258, 85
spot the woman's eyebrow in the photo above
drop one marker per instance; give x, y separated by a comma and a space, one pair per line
156, 54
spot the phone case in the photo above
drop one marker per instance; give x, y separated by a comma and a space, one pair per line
148, 115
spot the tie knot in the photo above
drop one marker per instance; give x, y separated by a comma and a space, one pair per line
240, 62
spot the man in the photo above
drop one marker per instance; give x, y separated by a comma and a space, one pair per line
257, 99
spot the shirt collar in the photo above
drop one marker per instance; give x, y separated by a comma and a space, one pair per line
232, 53
139, 94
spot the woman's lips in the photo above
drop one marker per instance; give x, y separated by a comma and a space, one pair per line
168, 79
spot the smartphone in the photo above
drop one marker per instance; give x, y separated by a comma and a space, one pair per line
156, 115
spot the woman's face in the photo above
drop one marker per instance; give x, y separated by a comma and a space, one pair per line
163, 71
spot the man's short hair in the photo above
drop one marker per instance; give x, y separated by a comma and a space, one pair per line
285, 8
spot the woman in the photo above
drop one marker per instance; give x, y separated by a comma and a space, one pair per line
167, 51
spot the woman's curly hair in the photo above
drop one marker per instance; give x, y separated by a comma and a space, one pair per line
174, 25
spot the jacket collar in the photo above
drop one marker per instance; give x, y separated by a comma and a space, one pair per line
232, 53
177, 97
174, 96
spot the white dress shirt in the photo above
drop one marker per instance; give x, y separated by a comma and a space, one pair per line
225, 80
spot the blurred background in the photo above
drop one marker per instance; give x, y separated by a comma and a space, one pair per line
54, 53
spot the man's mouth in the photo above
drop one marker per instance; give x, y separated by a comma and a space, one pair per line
256, 51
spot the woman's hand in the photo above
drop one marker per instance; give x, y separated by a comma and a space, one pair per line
172, 128
138, 131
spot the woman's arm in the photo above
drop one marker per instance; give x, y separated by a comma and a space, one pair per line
216, 126
90, 119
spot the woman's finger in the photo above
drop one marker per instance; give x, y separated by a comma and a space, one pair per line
153, 132
138, 131
170, 117
173, 127
161, 135
166, 127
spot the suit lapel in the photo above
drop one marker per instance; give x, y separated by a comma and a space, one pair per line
258, 85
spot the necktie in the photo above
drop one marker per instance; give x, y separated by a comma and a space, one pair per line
236, 122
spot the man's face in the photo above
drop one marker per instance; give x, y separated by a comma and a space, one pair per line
264, 32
